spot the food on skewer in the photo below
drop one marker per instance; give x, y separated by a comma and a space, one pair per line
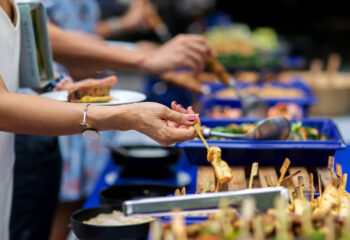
325, 217
222, 171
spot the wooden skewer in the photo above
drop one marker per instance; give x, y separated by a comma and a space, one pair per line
345, 179
225, 219
331, 168
282, 230
268, 181
156, 230
290, 176
198, 128
258, 229
330, 233
290, 191
253, 173
283, 171
319, 184
339, 172
300, 187
207, 187
346, 227
312, 186
178, 226
217, 188
248, 212
306, 221
183, 191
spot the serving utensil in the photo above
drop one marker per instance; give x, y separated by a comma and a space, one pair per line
276, 128
252, 105
162, 206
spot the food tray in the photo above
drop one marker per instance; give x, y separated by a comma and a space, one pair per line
208, 102
268, 152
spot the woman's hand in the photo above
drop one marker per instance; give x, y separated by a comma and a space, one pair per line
160, 123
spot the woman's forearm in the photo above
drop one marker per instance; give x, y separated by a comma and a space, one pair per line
27, 114
81, 51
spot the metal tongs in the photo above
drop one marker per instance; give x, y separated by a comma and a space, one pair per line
206, 202
276, 128
252, 105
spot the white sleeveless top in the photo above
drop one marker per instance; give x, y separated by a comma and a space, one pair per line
9, 64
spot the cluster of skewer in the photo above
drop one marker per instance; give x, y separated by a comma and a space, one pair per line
305, 217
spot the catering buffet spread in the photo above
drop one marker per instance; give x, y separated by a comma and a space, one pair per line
300, 164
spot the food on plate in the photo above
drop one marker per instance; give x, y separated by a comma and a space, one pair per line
298, 131
117, 218
222, 171
267, 91
90, 93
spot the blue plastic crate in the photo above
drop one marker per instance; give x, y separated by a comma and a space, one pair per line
208, 102
268, 152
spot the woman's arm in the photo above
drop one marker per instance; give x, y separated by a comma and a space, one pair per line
80, 51
39, 116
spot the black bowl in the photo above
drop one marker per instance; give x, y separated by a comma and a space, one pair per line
145, 161
117, 194
91, 232
140, 155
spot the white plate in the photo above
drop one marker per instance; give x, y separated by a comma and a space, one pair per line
119, 97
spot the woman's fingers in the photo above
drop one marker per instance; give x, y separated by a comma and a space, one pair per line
181, 134
180, 118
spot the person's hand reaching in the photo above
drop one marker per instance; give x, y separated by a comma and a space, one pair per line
182, 51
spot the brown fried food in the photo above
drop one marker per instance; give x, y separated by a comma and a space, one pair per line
222, 171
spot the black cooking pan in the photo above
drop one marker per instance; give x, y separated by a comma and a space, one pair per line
145, 161
119, 193
91, 232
